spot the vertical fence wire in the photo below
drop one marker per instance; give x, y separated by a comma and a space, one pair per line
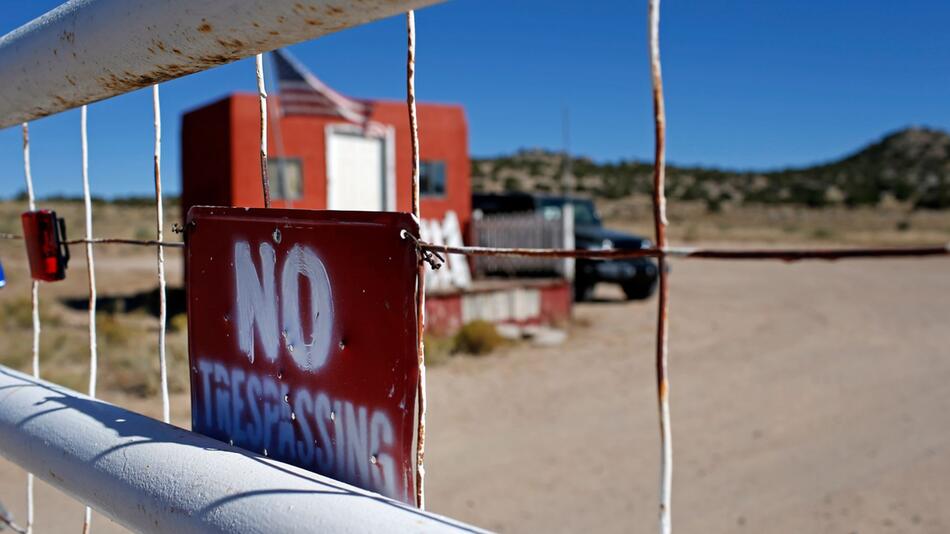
35, 303
420, 283
160, 236
660, 223
91, 267
274, 116
262, 95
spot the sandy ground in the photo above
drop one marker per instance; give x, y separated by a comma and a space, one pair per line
805, 398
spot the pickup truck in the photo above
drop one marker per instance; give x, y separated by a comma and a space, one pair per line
636, 276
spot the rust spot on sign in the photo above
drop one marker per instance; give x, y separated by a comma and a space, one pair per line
205, 28
68, 36
334, 11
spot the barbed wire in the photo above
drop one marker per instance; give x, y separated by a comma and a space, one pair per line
110, 241
434, 252
783, 254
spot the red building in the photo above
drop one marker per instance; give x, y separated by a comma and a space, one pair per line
328, 151
320, 158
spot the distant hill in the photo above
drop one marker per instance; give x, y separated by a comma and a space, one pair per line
910, 166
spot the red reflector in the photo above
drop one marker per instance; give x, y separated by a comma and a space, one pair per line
45, 236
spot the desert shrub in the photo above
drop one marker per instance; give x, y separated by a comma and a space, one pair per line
935, 197
111, 330
18, 313
823, 233
478, 338
438, 349
178, 323
511, 184
616, 185
476, 169
861, 194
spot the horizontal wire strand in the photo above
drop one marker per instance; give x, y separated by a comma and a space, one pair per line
784, 254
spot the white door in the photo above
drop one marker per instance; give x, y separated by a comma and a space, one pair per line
356, 172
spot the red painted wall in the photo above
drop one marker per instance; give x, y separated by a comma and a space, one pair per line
206, 156
443, 135
221, 163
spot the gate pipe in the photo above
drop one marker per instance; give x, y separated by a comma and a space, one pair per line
153, 477
88, 50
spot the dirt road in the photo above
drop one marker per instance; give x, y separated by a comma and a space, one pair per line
805, 398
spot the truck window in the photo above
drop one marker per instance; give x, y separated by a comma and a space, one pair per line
585, 214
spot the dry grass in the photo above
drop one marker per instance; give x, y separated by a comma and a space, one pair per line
692, 222
128, 341
128, 360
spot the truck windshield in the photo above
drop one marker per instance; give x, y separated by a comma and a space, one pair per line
585, 214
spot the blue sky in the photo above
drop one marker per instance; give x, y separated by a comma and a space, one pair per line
750, 84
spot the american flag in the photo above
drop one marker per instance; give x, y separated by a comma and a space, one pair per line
302, 93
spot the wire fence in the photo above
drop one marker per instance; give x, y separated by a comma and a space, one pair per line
432, 255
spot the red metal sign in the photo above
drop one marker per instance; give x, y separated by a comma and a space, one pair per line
302, 339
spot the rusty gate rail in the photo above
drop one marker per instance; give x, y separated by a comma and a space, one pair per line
88, 50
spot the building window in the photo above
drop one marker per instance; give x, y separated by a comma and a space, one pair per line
432, 178
286, 178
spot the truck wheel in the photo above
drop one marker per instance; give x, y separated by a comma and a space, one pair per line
583, 291
639, 291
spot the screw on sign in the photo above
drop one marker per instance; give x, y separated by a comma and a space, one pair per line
302, 339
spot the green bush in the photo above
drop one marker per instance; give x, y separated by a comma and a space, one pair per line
112, 331
438, 349
823, 233
178, 323
478, 338
512, 184
935, 197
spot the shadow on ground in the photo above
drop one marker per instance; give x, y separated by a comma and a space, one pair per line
146, 301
